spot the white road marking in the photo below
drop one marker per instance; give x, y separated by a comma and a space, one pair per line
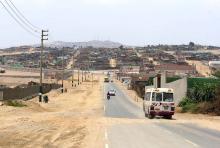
195, 145
106, 135
103, 89
106, 145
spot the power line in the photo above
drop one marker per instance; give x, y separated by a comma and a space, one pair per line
19, 18
33, 26
18, 21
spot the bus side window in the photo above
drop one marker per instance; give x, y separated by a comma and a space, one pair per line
147, 96
153, 96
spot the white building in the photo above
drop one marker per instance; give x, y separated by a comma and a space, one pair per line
130, 69
215, 64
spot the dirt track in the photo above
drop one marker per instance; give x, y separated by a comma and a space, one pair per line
73, 119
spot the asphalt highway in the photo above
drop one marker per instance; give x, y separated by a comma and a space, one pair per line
152, 133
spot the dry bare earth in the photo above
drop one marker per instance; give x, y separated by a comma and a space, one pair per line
73, 119
14, 78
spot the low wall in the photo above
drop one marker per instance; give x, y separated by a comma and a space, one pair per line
179, 87
23, 93
16, 76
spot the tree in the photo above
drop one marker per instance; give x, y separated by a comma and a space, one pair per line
121, 47
191, 44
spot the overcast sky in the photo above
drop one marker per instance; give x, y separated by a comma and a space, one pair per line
131, 22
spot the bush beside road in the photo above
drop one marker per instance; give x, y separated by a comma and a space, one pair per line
203, 98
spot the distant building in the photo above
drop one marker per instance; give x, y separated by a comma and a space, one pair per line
201, 66
50, 75
215, 64
175, 69
113, 63
130, 69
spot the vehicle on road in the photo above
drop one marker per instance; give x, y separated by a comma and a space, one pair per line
159, 102
108, 97
106, 79
2, 70
112, 92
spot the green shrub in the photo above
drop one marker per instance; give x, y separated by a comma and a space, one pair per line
172, 79
202, 92
150, 81
191, 107
15, 103
188, 105
202, 99
185, 101
201, 81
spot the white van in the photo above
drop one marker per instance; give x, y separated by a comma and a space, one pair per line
159, 102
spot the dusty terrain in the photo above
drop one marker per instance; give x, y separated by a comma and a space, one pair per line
72, 119
13, 78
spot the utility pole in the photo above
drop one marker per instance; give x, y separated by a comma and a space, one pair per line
85, 74
82, 74
43, 35
78, 75
62, 69
73, 72
92, 80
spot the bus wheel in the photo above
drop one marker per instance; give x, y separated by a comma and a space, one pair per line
168, 117
143, 108
150, 116
145, 114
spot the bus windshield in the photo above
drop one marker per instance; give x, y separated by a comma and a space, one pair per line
158, 96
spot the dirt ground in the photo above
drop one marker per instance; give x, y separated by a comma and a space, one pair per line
73, 119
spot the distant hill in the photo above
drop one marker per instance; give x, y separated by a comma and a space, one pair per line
94, 43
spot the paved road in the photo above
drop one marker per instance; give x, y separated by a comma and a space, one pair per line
119, 106
153, 133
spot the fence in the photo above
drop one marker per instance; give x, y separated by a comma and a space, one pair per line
25, 93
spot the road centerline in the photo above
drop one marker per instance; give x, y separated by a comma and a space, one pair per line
192, 143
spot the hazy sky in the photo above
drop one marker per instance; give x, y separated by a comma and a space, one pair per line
132, 22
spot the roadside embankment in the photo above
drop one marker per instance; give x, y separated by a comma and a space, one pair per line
72, 119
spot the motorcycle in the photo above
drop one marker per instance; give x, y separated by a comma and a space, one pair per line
108, 97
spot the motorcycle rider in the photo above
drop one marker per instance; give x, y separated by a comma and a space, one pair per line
108, 95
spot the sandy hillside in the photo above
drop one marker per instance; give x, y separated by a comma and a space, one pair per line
73, 119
